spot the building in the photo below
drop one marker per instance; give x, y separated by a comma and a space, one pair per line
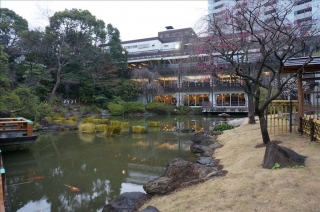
184, 77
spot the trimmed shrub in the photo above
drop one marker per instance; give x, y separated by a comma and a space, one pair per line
63, 120
101, 127
112, 131
70, 122
222, 126
96, 121
48, 118
139, 129
154, 124
87, 128
57, 121
125, 124
133, 107
152, 105
116, 109
104, 121
73, 118
87, 120
115, 123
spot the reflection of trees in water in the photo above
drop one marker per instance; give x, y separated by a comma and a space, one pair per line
85, 137
97, 168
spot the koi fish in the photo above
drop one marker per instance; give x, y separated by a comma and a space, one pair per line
35, 178
72, 188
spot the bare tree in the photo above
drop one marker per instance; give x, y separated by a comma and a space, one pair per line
256, 36
149, 84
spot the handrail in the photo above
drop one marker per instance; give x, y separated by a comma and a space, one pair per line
21, 124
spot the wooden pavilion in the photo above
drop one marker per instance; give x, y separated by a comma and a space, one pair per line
308, 69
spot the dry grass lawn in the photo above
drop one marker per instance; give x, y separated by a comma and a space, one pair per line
249, 187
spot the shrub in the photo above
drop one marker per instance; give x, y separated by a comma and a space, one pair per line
115, 109
133, 107
87, 128
57, 121
74, 118
154, 124
112, 131
44, 109
101, 127
115, 123
152, 105
63, 120
125, 124
139, 129
222, 126
48, 118
70, 122
87, 120
104, 121
96, 121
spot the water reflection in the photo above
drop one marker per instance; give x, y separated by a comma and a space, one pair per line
100, 168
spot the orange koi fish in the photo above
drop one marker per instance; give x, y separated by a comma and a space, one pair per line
72, 188
36, 178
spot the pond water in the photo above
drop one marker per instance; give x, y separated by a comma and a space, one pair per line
72, 171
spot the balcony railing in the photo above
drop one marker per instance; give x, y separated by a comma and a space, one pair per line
236, 106
193, 86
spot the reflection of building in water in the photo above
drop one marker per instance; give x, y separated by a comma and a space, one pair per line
142, 174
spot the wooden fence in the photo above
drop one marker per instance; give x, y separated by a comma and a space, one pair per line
282, 116
311, 127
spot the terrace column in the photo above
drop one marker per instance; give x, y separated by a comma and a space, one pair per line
214, 103
246, 99
300, 100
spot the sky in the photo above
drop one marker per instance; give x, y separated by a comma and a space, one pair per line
134, 19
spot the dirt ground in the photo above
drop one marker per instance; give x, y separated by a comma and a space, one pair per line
249, 187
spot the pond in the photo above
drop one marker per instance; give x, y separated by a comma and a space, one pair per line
72, 171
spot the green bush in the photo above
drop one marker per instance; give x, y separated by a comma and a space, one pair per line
112, 131
115, 109
222, 126
152, 105
133, 107
139, 129
154, 124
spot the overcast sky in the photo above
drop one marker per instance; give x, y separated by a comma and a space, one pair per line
134, 19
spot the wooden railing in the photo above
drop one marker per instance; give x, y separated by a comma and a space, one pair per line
16, 124
282, 117
311, 127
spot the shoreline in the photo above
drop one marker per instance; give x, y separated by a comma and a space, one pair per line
247, 186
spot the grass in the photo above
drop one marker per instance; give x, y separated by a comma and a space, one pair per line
87, 128
247, 186
154, 124
139, 129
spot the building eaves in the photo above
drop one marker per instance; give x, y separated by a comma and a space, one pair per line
139, 40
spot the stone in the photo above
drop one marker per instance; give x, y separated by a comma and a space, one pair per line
216, 145
283, 156
206, 161
179, 174
125, 202
150, 209
203, 150
199, 138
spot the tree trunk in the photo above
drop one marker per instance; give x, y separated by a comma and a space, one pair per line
251, 110
53, 92
263, 127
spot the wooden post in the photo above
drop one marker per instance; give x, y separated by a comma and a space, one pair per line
300, 100
30, 128
311, 129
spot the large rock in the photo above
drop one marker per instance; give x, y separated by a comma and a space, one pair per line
206, 161
201, 138
202, 150
283, 156
150, 209
179, 174
126, 202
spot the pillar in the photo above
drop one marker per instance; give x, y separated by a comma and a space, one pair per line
300, 100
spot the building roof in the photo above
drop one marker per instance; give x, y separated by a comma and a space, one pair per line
293, 64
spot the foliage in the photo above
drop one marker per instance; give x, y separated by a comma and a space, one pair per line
112, 131
152, 105
276, 166
28, 103
87, 128
116, 109
222, 127
101, 127
130, 88
70, 122
57, 121
115, 123
133, 107
44, 109
139, 129
8, 100
124, 124
154, 124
